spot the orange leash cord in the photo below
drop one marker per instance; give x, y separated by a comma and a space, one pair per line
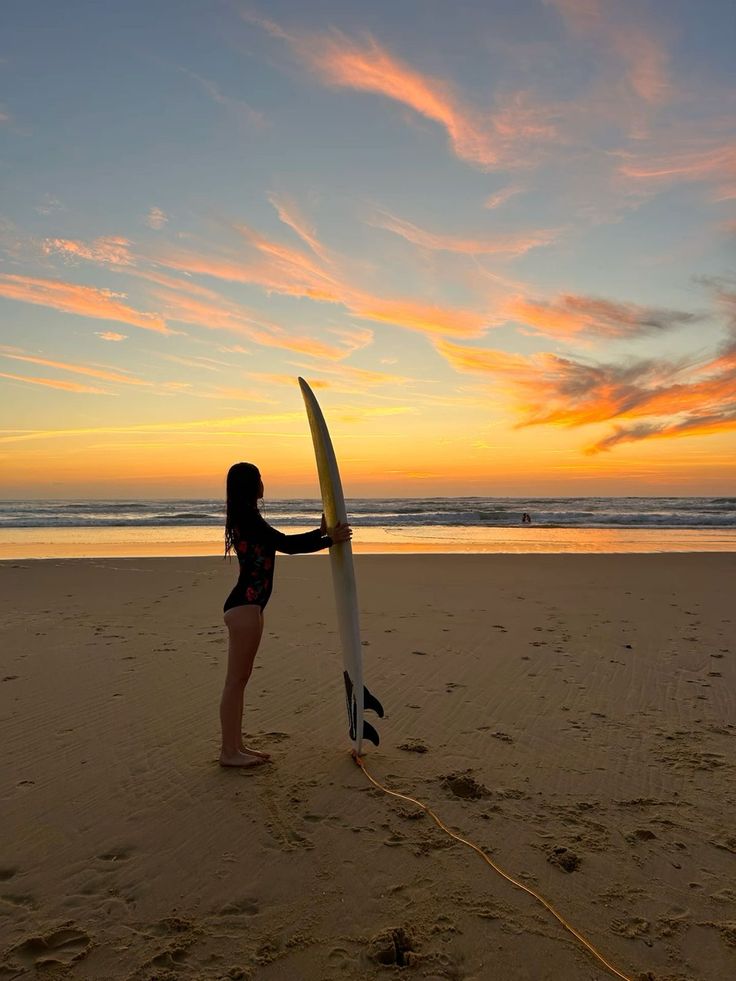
520, 885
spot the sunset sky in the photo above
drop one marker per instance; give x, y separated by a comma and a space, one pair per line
496, 237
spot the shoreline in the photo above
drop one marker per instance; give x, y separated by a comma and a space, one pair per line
99, 542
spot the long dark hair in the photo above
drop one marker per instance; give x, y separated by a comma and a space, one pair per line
243, 484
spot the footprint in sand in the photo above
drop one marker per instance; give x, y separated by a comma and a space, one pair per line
414, 746
464, 785
63, 947
564, 859
241, 907
24, 902
116, 855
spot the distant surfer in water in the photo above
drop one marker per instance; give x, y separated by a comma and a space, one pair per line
255, 543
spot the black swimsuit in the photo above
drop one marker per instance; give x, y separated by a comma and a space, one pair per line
256, 546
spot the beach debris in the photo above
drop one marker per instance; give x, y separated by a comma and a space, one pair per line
464, 785
414, 746
503, 736
564, 859
393, 947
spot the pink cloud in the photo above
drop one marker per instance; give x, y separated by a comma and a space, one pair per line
216, 313
569, 315
637, 45
103, 374
85, 301
290, 214
674, 398
111, 250
704, 160
481, 138
156, 218
513, 244
281, 269
65, 386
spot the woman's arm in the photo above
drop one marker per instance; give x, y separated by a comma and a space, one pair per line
308, 541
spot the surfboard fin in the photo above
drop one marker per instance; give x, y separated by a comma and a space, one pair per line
370, 733
371, 703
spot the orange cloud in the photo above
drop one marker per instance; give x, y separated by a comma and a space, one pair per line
706, 162
426, 318
111, 250
101, 373
352, 379
111, 335
680, 398
571, 314
216, 313
498, 198
85, 301
66, 386
291, 216
369, 68
483, 139
284, 270
510, 244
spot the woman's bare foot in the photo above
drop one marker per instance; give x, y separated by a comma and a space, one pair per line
241, 759
254, 752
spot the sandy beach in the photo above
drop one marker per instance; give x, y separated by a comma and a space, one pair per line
574, 715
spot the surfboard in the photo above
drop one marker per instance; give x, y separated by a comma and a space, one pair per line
358, 698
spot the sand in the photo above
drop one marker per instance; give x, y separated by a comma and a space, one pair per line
573, 715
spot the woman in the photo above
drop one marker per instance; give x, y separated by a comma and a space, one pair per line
255, 542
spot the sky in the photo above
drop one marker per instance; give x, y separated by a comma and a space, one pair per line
496, 237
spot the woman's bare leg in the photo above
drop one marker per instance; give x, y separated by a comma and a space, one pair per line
243, 747
245, 626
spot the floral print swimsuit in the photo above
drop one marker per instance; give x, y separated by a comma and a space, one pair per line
256, 548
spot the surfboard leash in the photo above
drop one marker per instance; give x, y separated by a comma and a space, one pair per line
496, 868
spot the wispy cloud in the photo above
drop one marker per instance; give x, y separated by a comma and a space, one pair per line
679, 159
49, 205
243, 111
498, 198
236, 426
65, 386
281, 269
111, 335
291, 215
676, 398
636, 45
104, 374
508, 244
697, 424
569, 315
217, 313
342, 378
481, 138
156, 218
85, 301
111, 250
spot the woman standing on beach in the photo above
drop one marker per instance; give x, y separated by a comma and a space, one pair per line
255, 543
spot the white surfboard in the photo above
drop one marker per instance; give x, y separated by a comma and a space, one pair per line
343, 579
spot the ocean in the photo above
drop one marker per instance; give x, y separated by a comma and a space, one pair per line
431, 512
462, 524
